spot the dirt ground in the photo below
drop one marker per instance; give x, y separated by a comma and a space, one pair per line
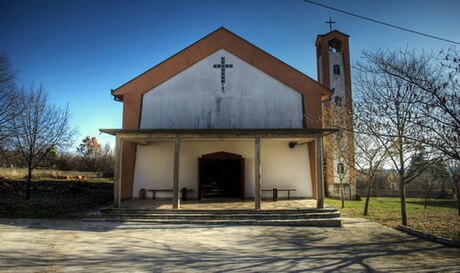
75, 246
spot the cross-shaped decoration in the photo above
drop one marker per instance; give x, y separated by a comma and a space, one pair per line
222, 67
330, 22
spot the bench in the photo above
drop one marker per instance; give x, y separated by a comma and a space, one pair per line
276, 190
183, 191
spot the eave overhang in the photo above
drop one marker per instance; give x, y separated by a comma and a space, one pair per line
143, 136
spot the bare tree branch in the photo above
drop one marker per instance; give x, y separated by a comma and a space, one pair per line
389, 111
8, 98
39, 127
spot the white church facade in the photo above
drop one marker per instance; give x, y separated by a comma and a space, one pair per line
220, 119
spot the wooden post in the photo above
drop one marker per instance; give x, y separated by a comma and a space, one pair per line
319, 173
257, 174
176, 199
117, 169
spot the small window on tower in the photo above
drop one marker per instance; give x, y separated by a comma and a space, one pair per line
340, 168
336, 69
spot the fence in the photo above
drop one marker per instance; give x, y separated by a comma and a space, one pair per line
409, 193
333, 191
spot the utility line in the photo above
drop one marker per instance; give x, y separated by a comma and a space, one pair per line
382, 23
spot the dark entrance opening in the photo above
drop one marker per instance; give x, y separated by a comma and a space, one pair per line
221, 175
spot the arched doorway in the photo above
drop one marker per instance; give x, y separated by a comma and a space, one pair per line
221, 175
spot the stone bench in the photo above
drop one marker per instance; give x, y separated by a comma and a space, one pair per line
183, 191
276, 190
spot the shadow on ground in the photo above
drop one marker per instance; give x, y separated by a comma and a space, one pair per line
360, 246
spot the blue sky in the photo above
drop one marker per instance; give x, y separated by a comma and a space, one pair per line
79, 50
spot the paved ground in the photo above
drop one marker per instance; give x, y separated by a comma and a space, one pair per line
220, 204
359, 246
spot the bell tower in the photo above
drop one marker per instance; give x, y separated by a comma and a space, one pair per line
333, 66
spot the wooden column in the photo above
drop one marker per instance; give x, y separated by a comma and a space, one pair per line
319, 173
117, 169
176, 199
257, 174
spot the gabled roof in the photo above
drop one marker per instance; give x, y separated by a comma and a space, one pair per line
222, 38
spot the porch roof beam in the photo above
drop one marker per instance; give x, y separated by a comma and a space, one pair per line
140, 135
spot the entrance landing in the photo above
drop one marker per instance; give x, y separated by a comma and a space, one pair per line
219, 204
222, 212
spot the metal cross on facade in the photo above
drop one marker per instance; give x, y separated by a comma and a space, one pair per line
222, 67
330, 22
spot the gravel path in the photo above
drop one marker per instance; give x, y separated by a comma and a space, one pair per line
74, 246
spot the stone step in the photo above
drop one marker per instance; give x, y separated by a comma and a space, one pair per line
181, 211
224, 216
329, 222
326, 217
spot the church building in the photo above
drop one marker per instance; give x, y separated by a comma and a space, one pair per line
224, 119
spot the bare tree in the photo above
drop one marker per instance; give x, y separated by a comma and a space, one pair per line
106, 160
388, 106
437, 79
39, 127
434, 176
370, 156
8, 99
338, 146
90, 149
454, 173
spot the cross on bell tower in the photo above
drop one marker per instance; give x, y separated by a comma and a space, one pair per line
330, 22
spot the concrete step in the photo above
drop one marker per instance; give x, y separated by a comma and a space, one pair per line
329, 222
211, 216
327, 217
228, 211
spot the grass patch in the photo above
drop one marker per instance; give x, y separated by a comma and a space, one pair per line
440, 218
56, 198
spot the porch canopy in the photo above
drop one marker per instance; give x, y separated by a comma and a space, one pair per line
146, 136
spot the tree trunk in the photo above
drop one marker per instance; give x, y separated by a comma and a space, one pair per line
401, 173
93, 164
457, 186
368, 195
341, 193
402, 186
426, 196
29, 180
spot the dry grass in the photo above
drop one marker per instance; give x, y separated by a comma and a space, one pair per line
52, 198
440, 218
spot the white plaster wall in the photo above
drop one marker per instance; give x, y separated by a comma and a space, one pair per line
338, 84
281, 166
194, 99
337, 81
154, 167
